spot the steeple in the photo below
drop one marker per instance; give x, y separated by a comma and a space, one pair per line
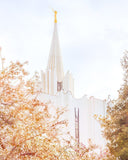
54, 81
55, 58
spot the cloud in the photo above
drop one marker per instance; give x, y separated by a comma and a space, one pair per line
93, 35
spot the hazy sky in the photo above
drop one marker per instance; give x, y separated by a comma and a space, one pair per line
93, 35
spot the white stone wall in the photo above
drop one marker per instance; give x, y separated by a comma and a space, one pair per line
68, 83
89, 127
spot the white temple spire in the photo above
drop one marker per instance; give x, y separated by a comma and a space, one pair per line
55, 58
54, 81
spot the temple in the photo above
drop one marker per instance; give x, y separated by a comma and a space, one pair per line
53, 80
58, 88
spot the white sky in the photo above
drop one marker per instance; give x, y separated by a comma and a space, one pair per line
93, 35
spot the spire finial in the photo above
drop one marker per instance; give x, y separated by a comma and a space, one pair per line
55, 12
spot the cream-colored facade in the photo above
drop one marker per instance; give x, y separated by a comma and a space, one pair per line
58, 88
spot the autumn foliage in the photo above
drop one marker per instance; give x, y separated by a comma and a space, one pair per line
28, 130
32, 129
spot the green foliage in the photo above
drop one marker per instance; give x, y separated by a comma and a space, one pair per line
115, 124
